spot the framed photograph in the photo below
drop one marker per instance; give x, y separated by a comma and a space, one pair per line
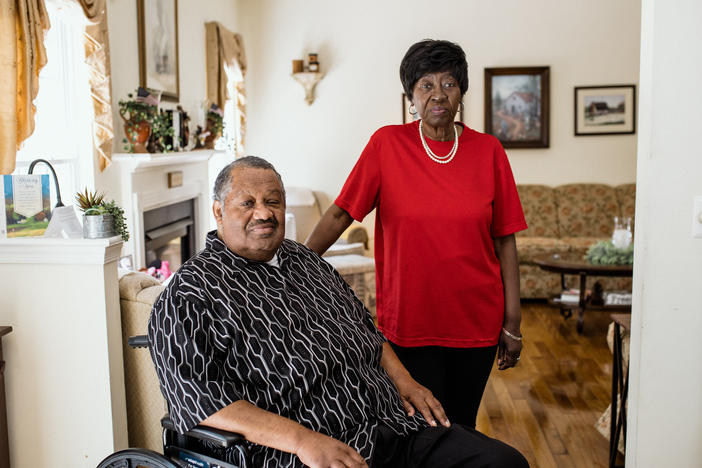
605, 110
158, 47
407, 117
516, 106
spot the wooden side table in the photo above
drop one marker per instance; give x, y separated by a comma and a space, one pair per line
572, 264
4, 441
620, 385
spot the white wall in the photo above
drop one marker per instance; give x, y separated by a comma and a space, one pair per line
361, 44
665, 405
124, 51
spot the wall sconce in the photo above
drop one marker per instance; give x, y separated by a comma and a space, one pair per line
308, 76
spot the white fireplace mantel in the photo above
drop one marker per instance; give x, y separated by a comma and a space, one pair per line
136, 162
139, 182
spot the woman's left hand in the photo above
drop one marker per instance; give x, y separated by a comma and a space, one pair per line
508, 352
416, 397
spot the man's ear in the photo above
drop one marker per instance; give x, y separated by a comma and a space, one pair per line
217, 211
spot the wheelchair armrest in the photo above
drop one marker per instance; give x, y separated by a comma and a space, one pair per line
224, 439
139, 341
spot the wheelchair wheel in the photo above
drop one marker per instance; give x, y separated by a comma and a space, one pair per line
136, 458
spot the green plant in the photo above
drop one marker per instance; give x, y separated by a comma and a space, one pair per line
93, 204
135, 112
161, 128
604, 253
215, 122
88, 200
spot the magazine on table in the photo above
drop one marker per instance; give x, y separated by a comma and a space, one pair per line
617, 298
570, 296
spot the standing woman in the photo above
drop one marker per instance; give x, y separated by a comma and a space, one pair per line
446, 212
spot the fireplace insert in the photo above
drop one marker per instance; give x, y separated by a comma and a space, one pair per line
169, 234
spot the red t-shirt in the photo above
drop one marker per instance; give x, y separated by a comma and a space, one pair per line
438, 278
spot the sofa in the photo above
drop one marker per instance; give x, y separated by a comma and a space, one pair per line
567, 219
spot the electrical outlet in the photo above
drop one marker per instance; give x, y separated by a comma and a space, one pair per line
697, 218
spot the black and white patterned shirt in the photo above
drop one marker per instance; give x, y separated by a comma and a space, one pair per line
291, 339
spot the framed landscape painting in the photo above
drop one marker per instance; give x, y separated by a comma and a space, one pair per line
517, 106
605, 110
158, 47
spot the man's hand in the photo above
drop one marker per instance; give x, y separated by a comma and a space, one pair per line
319, 451
416, 397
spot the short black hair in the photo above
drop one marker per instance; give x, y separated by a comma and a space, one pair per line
433, 56
223, 184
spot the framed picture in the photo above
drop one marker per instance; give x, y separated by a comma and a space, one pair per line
516, 106
158, 47
407, 117
605, 110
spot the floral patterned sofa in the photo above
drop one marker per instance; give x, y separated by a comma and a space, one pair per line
565, 219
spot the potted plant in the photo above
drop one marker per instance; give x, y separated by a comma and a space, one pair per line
215, 126
137, 115
101, 218
162, 132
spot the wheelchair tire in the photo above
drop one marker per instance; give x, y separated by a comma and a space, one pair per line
136, 458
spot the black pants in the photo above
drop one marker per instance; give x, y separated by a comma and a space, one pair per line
444, 447
456, 376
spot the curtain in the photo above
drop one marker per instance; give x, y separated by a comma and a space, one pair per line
97, 56
23, 24
225, 49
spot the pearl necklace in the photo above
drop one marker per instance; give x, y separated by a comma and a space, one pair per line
440, 159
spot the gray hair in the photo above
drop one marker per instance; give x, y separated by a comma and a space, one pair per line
223, 185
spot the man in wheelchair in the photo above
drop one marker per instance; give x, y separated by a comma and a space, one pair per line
260, 336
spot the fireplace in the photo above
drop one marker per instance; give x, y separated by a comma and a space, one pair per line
169, 234
166, 204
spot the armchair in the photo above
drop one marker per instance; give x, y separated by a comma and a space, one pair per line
307, 207
347, 254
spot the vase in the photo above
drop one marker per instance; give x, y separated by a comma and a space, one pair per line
98, 226
137, 134
621, 236
211, 139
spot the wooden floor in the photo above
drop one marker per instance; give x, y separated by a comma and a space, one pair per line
547, 406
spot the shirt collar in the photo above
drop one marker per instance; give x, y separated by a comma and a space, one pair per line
216, 244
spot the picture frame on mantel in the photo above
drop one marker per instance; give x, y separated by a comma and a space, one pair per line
409, 117
605, 110
517, 106
158, 47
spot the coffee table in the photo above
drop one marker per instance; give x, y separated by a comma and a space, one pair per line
571, 264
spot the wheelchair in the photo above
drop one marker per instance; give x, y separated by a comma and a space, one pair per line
201, 447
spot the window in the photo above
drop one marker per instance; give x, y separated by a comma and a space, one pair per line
231, 140
63, 120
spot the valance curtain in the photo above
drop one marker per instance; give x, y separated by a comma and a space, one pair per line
97, 56
23, 24
225, 49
